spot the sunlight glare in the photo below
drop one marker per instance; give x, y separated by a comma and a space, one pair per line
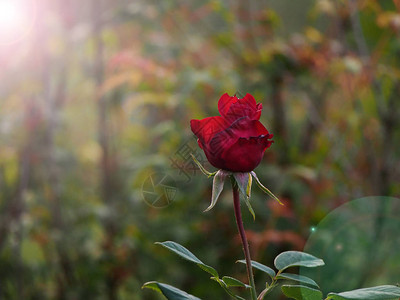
16, 18
9, 16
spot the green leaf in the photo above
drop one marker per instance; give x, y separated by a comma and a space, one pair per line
264, 189
299, 278
295, 258
261, 267
170, 292
208, 269
243, 180
202, 169
186, 254
180, 250
218, 186
225, 287
301, 292
233, 282
383, 292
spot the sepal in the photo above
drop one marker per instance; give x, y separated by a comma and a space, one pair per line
218, 186
243, 181
264, 189
202, 169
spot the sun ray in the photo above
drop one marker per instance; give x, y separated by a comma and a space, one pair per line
16, 19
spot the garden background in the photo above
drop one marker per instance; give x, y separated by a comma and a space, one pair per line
95, 102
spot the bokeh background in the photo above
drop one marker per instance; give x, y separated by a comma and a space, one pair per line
95, 102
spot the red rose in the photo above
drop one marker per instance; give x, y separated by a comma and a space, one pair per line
236, 141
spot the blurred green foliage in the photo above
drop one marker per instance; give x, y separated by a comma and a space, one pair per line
99, 95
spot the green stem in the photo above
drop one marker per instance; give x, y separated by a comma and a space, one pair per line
270, 287
239, 222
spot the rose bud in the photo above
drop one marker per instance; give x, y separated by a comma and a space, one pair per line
236, 140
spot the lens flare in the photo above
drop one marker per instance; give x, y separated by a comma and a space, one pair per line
16, 19
9, 13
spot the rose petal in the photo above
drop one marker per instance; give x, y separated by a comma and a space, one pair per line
257, 115
225, 102
235, 141
241, 128
206, 128
246, 127
246, 153
246, 107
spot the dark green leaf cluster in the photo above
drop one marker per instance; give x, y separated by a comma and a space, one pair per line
307, 290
